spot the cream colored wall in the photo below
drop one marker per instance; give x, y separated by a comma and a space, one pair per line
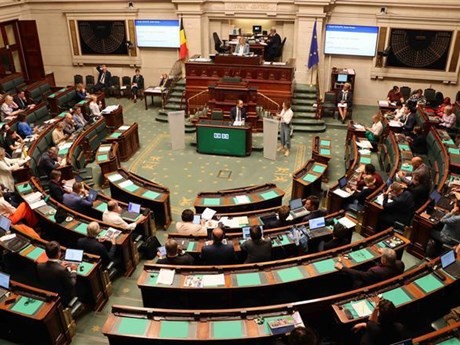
292, 19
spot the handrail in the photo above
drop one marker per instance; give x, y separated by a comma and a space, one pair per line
267, 103
198, 102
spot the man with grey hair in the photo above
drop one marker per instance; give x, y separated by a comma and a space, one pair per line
389, 267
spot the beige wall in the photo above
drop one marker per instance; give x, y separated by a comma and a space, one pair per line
293, 20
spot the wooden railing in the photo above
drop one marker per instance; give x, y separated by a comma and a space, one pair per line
266, 104
198, 104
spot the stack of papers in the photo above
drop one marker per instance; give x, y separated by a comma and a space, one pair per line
394, 123
242, 199
346, 222
104, 148
361, 308
213, 279
126, 183
109, 109
166, 277
341, 193
364, 144
208, 213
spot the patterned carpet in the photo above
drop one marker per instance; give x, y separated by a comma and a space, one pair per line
186, 173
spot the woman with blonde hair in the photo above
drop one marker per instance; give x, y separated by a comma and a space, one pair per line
344, 101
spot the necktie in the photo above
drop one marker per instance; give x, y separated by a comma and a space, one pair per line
238, 114
102, 78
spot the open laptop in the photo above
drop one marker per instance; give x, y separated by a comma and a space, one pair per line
388, 182
246, 233
343, 182
268, 218
317, 227
92, 195
450, 264
196, 219
132, 213
4, 283
442, 201
73, 256
12, 242
297, 208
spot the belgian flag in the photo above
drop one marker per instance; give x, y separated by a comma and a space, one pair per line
183, 51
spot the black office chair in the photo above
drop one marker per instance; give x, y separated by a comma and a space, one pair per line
439, 98
405, 91
218, 45
115, 86
89, 81
78, 79
329, 104
125, 90
217, 114
279, 53
430, 96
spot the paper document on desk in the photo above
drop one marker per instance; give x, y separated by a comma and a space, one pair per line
104, 148
243, 220
364, 144
213, 279
123, 128
384, 103
208, 213
342, 193
126, 183
364, 152
115, 177
166, 277
346, 222
242, 199
231, 223
361, 308
238, 123
37, 204
32, 197
65, 146
379, 200
149, 89
394, 123
358, 126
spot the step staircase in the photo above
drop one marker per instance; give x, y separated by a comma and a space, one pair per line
304, 112
175, 102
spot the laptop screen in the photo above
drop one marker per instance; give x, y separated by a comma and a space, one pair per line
4, 280
246, 232
295, 204
448, 259
196, 219
92, 194
5, 223
316, 223
132, 207
75, 255
343, 182
267, 219
435, 196
342, 78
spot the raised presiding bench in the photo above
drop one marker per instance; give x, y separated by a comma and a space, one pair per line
129, 187
33, 316
240, 199
221, 138
259, 284
127, 137
150, 326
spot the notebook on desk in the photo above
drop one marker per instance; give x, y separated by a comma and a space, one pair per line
132, 213
450, 264
297, 208
12, 242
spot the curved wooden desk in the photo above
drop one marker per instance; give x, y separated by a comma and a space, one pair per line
129, 187
108, 159
225, 201
33, 316
261, 283
91, 288
306, 180
444, 336
127, 137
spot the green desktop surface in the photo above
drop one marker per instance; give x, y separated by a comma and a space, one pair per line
101, 207
191, 247
82, 228
24, 188
429, 283
398, 296
324, 266
84, 268
174, 329
269, 195
319, 169
289, 274
27, 305
227, 329
131, 326
150, 195
211, 201
310, 178
326, 152
221, 140
131, 188
248, 279
283, 242
365, 160
361, 255
325, 142
116, 134
102, 157
451, 341
404, 147
35, 253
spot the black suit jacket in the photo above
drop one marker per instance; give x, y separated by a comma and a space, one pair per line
22, 104
274, 43
139, 80
410, 123
401, 209
46, 164
348, 99
54, 277
93, 246
218, 254
314, 214
56, 191
107, 78
233, 113
374, 274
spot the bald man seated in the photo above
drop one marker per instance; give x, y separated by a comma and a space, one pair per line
174, 255
112, 216
417, 167
218, 253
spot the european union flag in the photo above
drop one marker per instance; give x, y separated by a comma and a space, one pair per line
313, 58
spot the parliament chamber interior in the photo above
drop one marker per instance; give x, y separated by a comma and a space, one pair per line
207, 172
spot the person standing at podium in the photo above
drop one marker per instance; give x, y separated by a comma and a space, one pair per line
238, 113
285, 130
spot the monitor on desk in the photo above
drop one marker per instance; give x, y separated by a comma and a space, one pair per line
343, 182
4, 280
435, 196
256, 29
5, 224
342, 78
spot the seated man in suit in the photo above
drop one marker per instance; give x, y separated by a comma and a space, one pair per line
78, 199
238, 113
21, 100
411, 117
418, 167
54, 276
283, 213
257, 248
340, 237
49, 161
450, 232
103, 79
174, 255
420, 192
218, 253
56, 188
389, 267
93, 245
187, 227
312, 205
398, 205
112, 216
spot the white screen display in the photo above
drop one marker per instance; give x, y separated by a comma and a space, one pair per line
351, 40
158, 33
316, 223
